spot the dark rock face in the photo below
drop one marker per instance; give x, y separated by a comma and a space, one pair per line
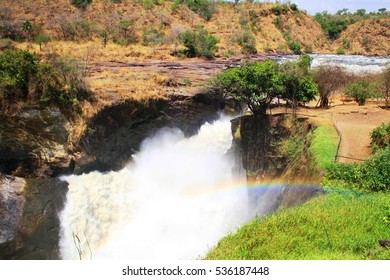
32, 143
30, 227
256, 147
117, 132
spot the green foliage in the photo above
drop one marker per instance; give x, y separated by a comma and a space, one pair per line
199, 43
299, 87
340, 51
153, 37
380, 137
81, 4
23, 78
295, 47
6, 44
204, 8
372, 175
333, 226
276, 10
362, 90
17, 68
255, 84
247, 43
125, 33
332, 25
294, 7
41, 38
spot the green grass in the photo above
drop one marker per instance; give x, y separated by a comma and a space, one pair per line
336, 226
324, 145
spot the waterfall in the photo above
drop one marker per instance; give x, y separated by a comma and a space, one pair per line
175, 200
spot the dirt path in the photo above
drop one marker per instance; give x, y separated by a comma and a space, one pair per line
354, 123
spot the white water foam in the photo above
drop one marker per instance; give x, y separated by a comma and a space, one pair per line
171, 202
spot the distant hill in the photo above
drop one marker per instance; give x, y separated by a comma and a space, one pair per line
276, 28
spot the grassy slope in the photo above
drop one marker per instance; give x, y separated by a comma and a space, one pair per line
228, 20
340, 225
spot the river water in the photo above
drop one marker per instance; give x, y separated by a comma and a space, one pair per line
175, 200
358, 64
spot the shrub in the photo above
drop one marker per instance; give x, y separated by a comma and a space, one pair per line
246, 40
199, 44
362, 90
81, 4
295, 47
17, 69
294, 7
380, 137
372, 175
204, 8
6, 44
153, 37
23, 77
41, 39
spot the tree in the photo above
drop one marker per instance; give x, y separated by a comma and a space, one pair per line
386, 85
256, 84
17, 69
199, 43
329, 79
40, 39
382, 10
299, 86
362, 90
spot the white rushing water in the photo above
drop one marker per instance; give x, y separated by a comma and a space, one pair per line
174, 201
357, 64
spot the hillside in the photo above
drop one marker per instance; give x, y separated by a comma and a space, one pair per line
367, 37
152, 31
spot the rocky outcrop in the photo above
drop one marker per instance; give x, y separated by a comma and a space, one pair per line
33, 146
260, 145
29, 224
33, 143
117, 131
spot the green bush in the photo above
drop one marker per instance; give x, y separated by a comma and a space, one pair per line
153, 37
332, 25
23, 78
362, 90
199, 43
248, 43
41, 38
380, 137
17, 69
372, 175
81, 4
294, 7
204, 8
295, 47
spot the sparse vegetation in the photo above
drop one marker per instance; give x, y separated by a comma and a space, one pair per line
25, 78
380, 137
199, 43
361, 90
329, 79
82, 4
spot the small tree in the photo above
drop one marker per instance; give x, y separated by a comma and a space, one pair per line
81, 4
299, 86
40, 39
362, 90
256, 84
200, 43
386, 85
329, 79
